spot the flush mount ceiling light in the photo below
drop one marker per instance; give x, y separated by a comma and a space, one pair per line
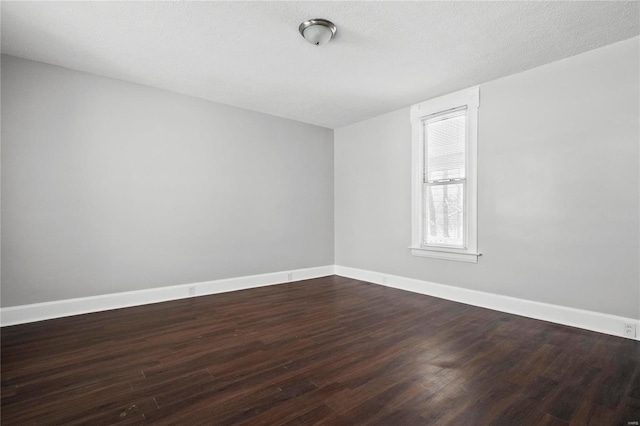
317, 31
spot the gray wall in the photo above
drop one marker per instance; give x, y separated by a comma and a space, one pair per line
109, 186
558, 188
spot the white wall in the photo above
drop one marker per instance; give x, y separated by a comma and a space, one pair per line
109, 186
558, 188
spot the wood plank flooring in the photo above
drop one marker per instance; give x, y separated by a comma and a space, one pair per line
331, 351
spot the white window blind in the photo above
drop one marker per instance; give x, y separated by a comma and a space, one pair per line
445, 149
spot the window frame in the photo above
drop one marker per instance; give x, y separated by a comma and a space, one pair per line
469, 98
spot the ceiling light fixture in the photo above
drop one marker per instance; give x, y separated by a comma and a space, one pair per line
317, 31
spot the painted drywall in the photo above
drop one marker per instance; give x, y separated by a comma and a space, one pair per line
109, 186
558, 188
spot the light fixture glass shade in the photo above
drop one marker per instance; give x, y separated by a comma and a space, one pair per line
317, 34
317, 31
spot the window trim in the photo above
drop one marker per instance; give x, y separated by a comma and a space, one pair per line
469, 98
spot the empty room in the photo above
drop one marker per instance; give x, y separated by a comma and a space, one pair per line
320, 213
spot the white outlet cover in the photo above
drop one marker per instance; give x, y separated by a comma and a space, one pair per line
630, 330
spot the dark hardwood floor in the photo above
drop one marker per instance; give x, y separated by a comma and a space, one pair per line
326, 351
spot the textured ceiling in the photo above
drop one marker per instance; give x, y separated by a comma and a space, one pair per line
386, 55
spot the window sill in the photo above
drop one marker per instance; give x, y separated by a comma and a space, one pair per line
445, 254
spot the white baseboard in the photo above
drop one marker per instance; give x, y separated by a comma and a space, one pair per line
84, 305
589, 320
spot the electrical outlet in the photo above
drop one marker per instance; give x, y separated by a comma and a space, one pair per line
192, 291
290, 276
629, 329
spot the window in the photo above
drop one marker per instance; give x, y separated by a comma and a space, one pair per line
444, 193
